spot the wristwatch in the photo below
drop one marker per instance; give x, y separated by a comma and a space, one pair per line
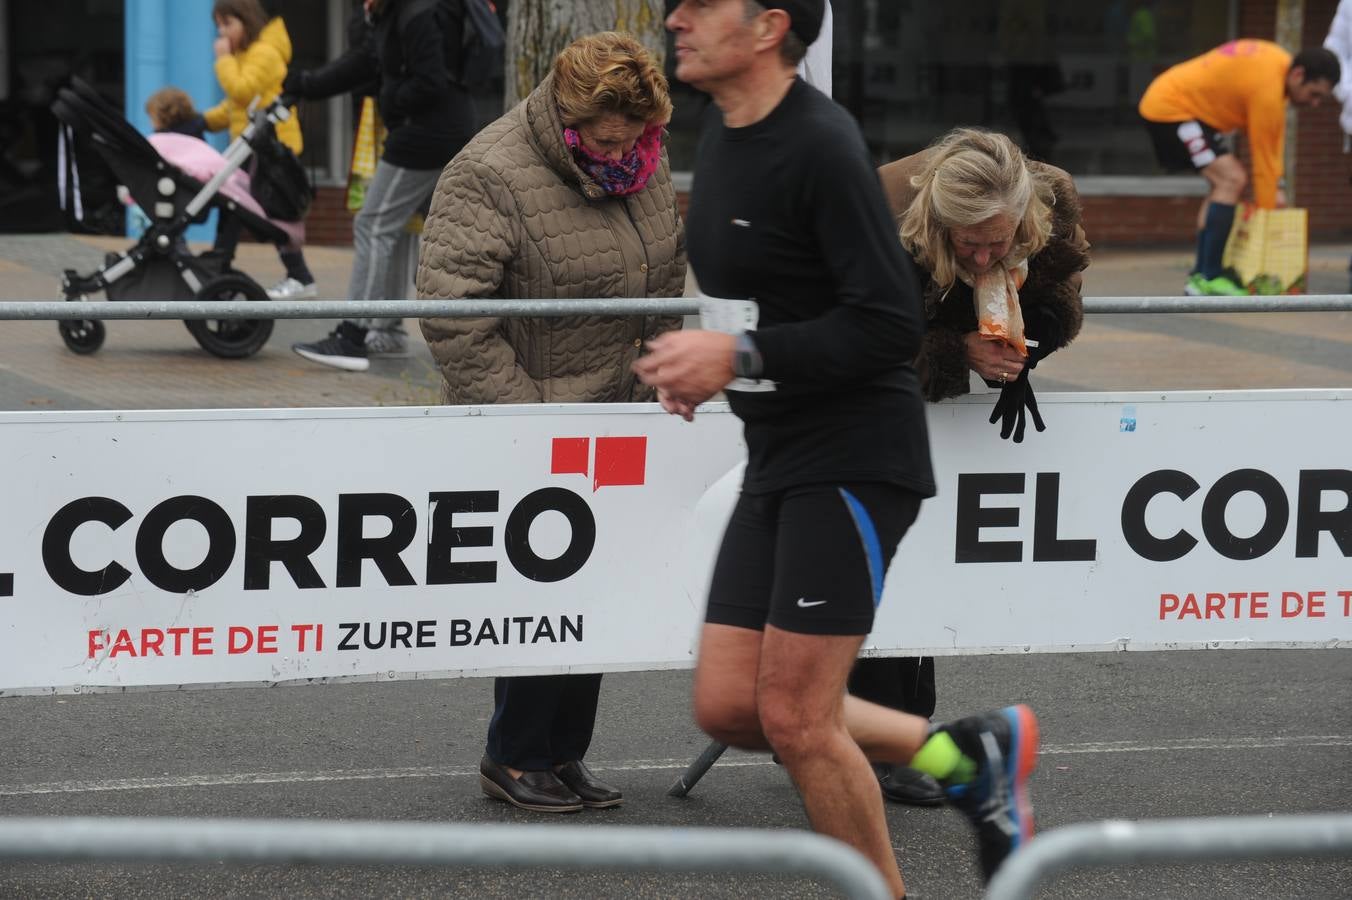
746, 359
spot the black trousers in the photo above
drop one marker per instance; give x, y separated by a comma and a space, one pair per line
905, 683
541, 721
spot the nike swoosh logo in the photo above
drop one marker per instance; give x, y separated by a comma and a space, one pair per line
805, 603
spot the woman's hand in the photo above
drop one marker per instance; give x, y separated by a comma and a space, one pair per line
993, 360
222, 47
676, 407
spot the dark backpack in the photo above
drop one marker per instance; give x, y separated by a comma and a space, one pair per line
481, 52
277, 179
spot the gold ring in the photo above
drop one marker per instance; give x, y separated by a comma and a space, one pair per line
1004, 376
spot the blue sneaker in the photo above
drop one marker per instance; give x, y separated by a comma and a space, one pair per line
1003, 744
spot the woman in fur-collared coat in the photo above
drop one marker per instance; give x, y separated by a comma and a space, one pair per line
976, 215
968, 207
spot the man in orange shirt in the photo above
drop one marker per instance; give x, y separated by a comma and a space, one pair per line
1243, 84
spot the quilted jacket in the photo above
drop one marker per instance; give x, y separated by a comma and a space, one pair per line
256, 71
513, 217
1049, 299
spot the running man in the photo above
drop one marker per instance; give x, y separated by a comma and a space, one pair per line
1243, 84
817, 318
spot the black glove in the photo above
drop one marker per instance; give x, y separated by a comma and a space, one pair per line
1015, 397
1037, 354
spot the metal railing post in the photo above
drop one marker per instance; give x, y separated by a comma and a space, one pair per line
1170, 840
573, 847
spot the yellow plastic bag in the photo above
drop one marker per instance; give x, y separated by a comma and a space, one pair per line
1269, 249
367, 146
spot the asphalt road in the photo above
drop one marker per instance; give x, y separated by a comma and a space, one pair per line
1126, 735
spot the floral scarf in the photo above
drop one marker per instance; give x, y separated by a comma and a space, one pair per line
627, 175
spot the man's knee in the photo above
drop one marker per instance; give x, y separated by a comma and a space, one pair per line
791, 729
727, 720
1227, 176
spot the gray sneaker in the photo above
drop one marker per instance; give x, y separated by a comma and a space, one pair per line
291, 289
386, 343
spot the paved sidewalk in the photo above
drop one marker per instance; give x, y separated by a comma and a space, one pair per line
153, 365
149, 365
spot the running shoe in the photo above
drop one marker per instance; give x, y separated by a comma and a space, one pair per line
344, 348
1003, 744
292, 289
1196, 286
1221, 286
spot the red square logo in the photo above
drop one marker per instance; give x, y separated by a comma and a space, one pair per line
570, 456
620, 461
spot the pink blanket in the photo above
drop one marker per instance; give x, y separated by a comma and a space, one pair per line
202, 161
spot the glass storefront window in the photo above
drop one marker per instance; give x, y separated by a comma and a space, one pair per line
1062, 77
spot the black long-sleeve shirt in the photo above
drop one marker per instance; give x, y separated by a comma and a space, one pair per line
403, 60
789, 212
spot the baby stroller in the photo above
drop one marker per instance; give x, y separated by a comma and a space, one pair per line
159, 266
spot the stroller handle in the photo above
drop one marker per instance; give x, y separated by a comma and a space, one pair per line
279, 110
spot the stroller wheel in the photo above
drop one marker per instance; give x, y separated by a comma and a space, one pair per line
83, 336
231, 338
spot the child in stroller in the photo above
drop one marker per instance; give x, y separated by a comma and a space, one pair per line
160, 266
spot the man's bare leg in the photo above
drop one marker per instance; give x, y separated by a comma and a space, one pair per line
725, 686
885, 735
801, 701
1227, 179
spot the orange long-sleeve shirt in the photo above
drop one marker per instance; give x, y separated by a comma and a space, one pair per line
1241, 84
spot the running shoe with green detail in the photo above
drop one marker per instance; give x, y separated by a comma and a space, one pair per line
1221, 286
1003, 745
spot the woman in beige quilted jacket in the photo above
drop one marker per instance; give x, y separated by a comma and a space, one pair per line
567, 196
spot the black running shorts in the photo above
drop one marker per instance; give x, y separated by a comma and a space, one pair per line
809, 559
1186, 146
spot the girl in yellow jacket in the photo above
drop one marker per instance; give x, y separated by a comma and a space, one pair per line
252, 56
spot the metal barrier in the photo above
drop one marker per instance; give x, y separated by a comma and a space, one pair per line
676, 306
573, 847
1172, 840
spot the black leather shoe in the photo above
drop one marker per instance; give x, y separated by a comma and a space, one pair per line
901, 784
595, 793
534, 791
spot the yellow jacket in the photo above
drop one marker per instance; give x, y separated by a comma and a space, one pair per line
256, 71
1241, 84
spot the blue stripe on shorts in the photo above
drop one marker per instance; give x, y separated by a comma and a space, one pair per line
868, 536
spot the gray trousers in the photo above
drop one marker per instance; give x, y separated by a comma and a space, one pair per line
380, 243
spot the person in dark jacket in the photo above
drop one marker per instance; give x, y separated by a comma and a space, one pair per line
968, 206
429, 117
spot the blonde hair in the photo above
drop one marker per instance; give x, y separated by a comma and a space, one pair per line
610, 72
971, 176
168, 107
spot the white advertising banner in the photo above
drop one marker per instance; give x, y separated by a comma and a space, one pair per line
201, 548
